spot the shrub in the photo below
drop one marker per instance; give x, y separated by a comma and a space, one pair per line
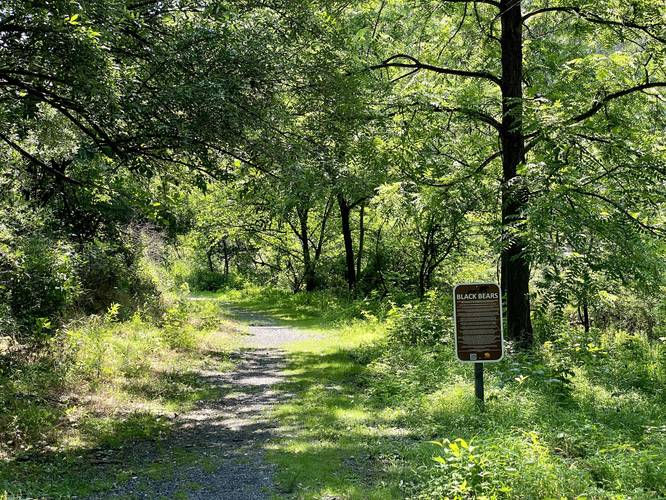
425, 323
101, 347
465, 471
40, 284
8, 324
176, 331
205, 280
629, 311
45, 279
112, 273
617, 358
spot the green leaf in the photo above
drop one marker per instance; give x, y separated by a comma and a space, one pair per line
455, 449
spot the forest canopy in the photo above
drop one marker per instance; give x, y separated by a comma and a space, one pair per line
377, 146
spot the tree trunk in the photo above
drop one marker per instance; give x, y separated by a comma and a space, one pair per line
350, 274
209, 258
225, 249
422, 277
586, 317
308, 268
425, 257
515, 266
361, 237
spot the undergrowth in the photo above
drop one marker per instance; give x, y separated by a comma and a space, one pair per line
383, 410
319, 309
98, 389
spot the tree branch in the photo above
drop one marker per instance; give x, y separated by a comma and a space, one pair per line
39, 162
479, 168
487, 2
596, 107
594, 18
473, 113
619, 208
393, 62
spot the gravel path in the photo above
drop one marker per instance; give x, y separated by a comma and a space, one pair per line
231, 432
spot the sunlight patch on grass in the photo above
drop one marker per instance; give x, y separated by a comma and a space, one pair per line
449, 403
350, 415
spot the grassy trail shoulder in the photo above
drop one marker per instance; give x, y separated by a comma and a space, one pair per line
79, 416
372, 419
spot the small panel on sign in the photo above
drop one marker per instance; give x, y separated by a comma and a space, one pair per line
478, 322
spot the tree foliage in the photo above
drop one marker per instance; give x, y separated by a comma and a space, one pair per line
382, 147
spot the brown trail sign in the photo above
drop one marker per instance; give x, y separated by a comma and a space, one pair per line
478, 322
477, 311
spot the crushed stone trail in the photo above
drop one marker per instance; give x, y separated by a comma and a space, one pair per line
231, 432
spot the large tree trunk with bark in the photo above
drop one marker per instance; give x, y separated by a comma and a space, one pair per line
515, 266
345, 210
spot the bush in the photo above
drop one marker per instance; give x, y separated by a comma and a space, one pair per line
101, 347
112, 274
618, 359
176, 331
40, 283
465, 471
425, 323
629, 311
8, 324
45, 279
205, 280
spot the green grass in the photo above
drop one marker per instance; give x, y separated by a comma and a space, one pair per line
582, 418
320, 310
77, 417
366, 412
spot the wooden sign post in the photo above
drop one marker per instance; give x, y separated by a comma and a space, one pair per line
477, 310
